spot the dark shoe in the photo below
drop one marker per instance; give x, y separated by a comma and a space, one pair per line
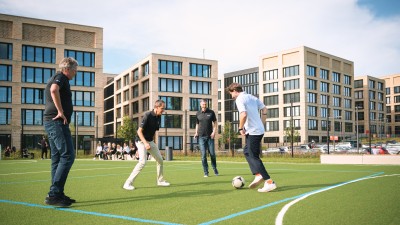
57, 201
216, 172
68, 199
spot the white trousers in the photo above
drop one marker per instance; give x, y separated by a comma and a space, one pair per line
155, 153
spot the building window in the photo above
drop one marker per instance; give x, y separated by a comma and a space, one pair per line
292, 97
290, 71
6, 50
336, 89
126, 95
135, 91
84, 58
273, 113
193, 121
347, 79
347, 91
38, 54
311, 84
172, 103
336, 77
371, 84
324, 87
135, 75
287, 111
126, 110
174, 142
371, 94
36, 74
324, 99
169, 67
324, 74
32, 96
311, 97
296, 124
291, 84
347, 103
271, 87
396, 89
358, 95
146, 69
119, 98
169, 85
83, 98
336, 101
199, 70
126, 80
118, 84
312, 110
272, 126
135, 107
270, 75
145, 104
5, 94
145, 86
358, 84
85, 119
324, 112
271, 100
312, 124
85, 79
5, 73
396, 99
200, 87
311, 71
387, 91
32, 116
171, 121
5, 116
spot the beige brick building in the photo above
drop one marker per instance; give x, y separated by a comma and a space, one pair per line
309, 89
392, 101
30, 50
369, 95
180, 81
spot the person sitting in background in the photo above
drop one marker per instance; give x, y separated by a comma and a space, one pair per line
118, 151
99, 151
125, 151
105, 150
7, 152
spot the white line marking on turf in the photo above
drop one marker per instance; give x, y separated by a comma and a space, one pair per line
281, 214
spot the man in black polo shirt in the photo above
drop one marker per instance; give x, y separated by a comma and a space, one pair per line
206, 126
145, 142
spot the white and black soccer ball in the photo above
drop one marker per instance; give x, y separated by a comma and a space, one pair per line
238, 182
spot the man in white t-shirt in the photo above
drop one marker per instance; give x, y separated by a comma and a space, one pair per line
252, 127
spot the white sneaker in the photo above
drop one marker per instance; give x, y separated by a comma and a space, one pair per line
268, 187
256, 182
163, 183
128, 187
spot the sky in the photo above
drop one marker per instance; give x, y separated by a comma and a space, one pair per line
236, 33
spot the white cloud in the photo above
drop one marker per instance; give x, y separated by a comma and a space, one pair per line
234, 32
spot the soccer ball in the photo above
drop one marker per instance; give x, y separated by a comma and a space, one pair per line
238, 182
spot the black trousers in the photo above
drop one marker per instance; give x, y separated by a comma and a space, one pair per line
252, 151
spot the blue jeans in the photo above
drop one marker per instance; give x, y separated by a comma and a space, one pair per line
252, 153
207, 143
62, 155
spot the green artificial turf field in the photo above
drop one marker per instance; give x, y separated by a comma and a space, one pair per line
307, 193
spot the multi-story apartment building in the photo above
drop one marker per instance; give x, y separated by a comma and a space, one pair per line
392, 101
248, 78
180, 81
308, 90
30, 50
369, 96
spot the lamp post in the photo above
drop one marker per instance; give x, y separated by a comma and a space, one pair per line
291, 125
166, 130
76, 134
358, 151
334, 117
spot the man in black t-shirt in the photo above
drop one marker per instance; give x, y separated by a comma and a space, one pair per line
206, 126
57, 116
145, 142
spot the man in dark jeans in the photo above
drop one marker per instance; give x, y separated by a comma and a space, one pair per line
206, 126
43, 145
57, 116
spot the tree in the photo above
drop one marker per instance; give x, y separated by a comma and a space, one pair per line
228, 136
128, 129
289, 136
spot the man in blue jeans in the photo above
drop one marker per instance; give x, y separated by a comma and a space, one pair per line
206, 126
57, 116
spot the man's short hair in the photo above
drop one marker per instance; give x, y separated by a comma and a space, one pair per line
159, 103
68, 63
234, 87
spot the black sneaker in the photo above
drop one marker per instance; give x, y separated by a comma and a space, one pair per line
57, 201
68, 199
216, 172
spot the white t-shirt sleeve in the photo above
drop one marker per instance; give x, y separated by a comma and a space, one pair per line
240, 104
